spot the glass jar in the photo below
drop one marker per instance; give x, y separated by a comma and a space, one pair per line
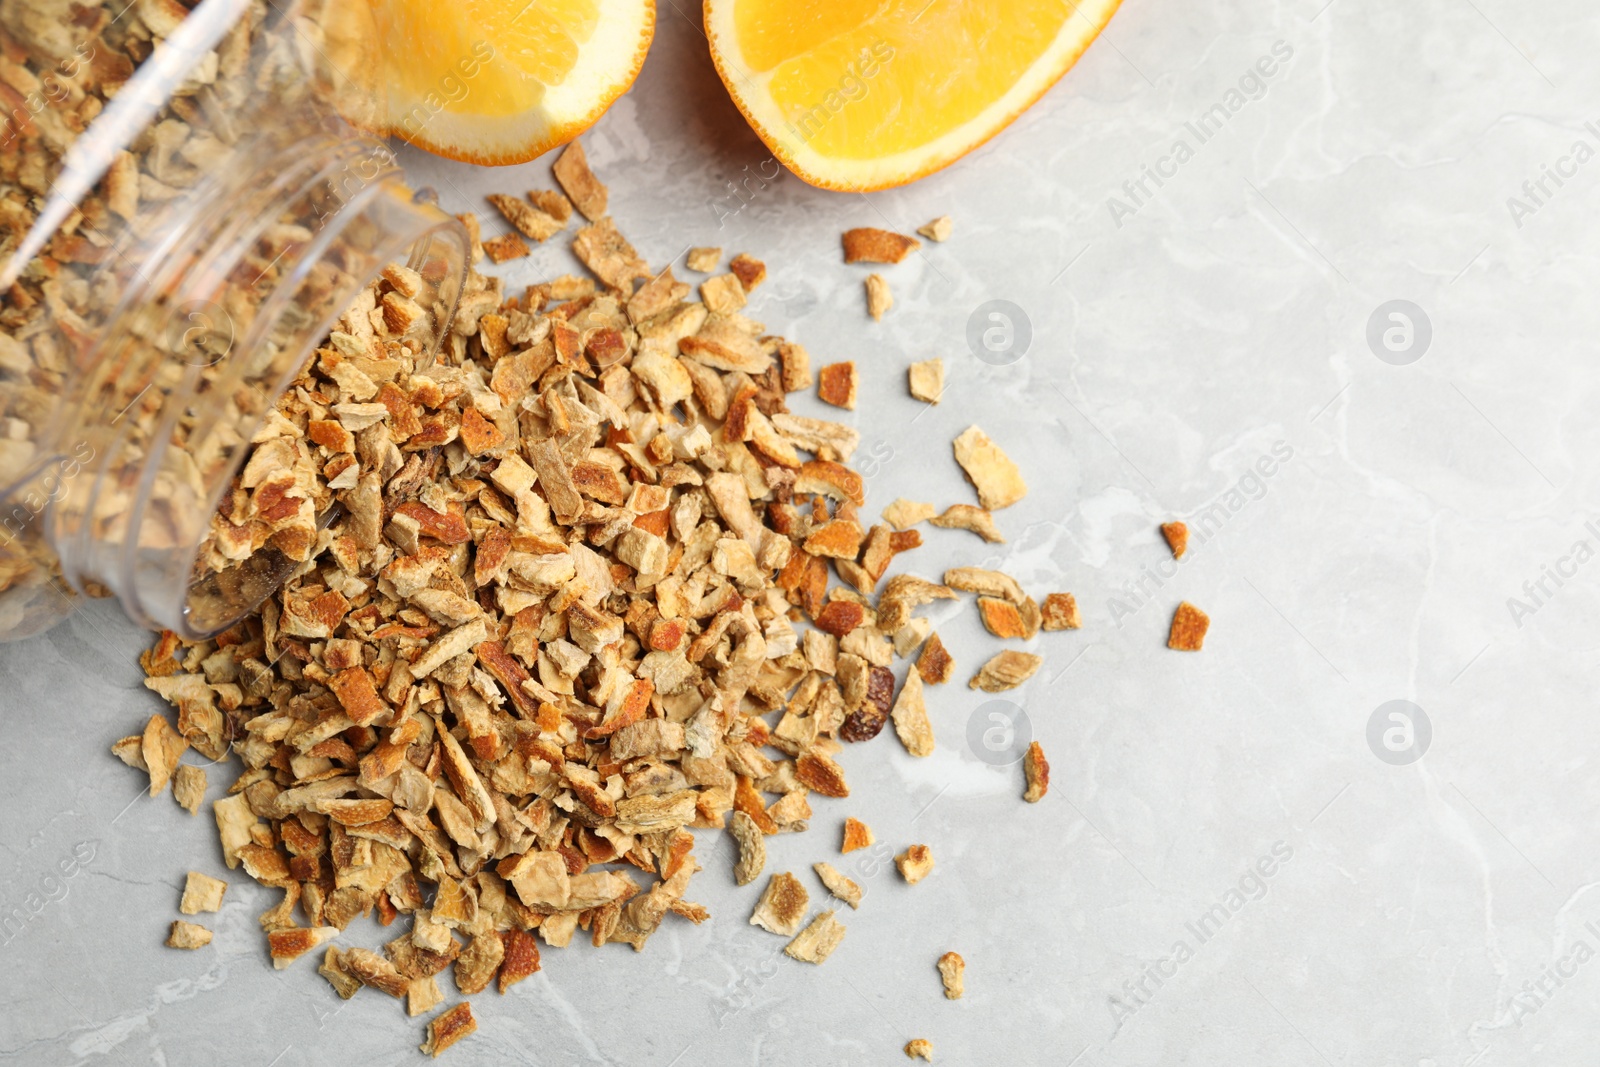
186, 207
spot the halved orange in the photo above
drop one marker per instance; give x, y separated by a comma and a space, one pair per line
489, 81
869, 94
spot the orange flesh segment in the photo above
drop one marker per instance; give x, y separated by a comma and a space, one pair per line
534, 45
952, 59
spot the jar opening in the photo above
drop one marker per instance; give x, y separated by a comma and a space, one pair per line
421, 237
201, 359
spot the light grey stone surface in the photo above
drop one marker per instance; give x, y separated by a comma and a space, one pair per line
1432, 913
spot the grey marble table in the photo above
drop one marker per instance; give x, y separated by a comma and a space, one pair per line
1244, 858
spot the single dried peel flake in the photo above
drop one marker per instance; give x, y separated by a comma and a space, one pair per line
985, 582
752, 848
201, 892
586, 191
934, 664
952, 972
287, 945
782, 907
910, 717
857, 834
915, 863
1189, 626
1001, 617
868, 245
189, 787
879, 298
992, 473
1036, 769
188, 935
422, 995
973, 519
817, 941
1005, 670
1177, 536
926, 379
449, 1027
837, 384
703, 260
840, 886
1060, 612
904, 514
